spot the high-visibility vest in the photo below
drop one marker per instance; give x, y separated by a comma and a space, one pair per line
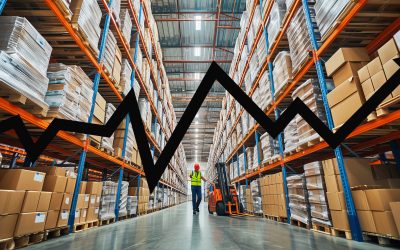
196, 178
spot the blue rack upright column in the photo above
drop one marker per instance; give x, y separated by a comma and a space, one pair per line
351, 211
2, 5
127, 124
82, 157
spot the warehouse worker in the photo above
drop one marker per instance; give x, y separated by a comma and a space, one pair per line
196, 187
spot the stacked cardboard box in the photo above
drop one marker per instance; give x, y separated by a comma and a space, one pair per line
119, 141
269, 147
316, 189
273, 195
107, 200
375, 73
99, 115
108, 142
86, 18
116, 9
348, 96
139, 56
395, 208
94, 190
298, 199
282, 71
250, 158
327, 12
25, 56
143, 193
145, 112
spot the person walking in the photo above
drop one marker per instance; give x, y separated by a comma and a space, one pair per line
196, 178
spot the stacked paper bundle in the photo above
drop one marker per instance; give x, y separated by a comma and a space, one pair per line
123, 199
250, 157
131, 205
116, 9
291, 137
109, 53
241, 164
242, 196
119, 141
108, 142
275, 20
125, 82
126, 25
25, 56
269, 147
282, 71
256, 196
87, 17
298, 201
107, 201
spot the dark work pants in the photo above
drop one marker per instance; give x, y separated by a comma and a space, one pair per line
196, 196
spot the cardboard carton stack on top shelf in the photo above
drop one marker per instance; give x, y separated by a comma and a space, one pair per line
273, 195
347, 96
86, 19
298, 199
282, 71
316, 189
24, 57
107, 201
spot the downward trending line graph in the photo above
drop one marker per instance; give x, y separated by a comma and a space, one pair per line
129, 106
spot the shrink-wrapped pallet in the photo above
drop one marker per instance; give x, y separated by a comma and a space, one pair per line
107, 201
291, 138
109, 52
108, 142
131, 205
250, 157
256, 196
125, 82
298, 200
126, 25
86, 19
123, 199
275, 20
282, 71
327, 12
269, 147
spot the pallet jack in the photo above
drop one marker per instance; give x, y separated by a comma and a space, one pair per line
223, 198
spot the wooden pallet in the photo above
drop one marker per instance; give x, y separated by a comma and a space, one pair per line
7, 244
307, 144
275, 218
106, 222
384, 240
124, 217
55, 232
321, 228
85, 225
299, 224
85, 39
27, 240
385, 108
341, 233
64, 9
291, 151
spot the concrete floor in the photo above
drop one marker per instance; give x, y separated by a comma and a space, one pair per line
178, 228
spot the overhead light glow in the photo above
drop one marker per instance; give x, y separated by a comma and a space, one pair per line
197, 51
197, 75
198, 22
197, 130
197, 115
196, 122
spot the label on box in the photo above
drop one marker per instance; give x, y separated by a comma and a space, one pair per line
77, 214
40, 218
98, 199
67, 200
64, 215
40, 40
38, 177
84, 213
87, 198
92, 200
96, 211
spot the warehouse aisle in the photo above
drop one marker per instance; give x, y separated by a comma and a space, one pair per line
177, 228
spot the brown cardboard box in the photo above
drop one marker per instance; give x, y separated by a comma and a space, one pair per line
97, 201
346, 71
336, 201
378, 80
374, 66
360, 200
93, 213
11, 202
83, 215
77, 215
363, 73
31, 201
86, 198
44, 202
55, 201
81, 201
21, 179
379, 199
94, 188
388, 51
82, 187
30, 223
92, 200
343, 55
384, 222
53, 183
63, 218
330, 167
395, 208
69, 188
7, 223
51, 170
340, 220
390, 67
52, 218
366, 221
368, 88
333, 183
66, 202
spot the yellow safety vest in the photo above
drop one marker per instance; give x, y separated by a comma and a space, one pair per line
196, 178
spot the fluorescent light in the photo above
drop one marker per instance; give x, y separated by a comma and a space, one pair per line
197, 51
197, 130
197, 75
198, 22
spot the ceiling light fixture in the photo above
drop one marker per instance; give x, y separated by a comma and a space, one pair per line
197, 75
198, 22
197, 51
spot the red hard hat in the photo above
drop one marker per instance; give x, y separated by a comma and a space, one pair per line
196, 166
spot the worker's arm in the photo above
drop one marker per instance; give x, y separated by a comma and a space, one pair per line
204, 179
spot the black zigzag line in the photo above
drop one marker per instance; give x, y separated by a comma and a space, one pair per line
154, 171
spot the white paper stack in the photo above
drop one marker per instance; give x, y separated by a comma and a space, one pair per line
131, 205
275, 20
282, 71
298, 201
126, 25
108, 142
107, 201
123, 199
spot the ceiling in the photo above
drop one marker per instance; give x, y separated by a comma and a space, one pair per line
192, 34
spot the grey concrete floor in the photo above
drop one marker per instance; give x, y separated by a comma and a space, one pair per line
178, 228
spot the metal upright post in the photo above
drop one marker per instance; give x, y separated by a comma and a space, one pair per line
82, 157
396, 153
351, 211
14, 159
2, 5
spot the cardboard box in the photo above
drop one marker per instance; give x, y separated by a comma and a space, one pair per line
44, 202
395, 208
101, 101
390, 67
366, 220
53, 183
77, 215
31, 201
21, 179
379, 199
360, 200
340, 220
378, 80
83, 215
344, 55
70, 186
63, 218
56, 200
82, 187
384, 222
374, 66
94, 188
59, 171
92, 200
363, 73
83, 201
388, 51
368, 88
66, 202
11, 202
346, 71
333, 183
92, 214
330, 167
8, 223
336, 201
97, 201
52, 218
29, 223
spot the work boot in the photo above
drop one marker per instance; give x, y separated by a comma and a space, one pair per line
197, 210
194, 212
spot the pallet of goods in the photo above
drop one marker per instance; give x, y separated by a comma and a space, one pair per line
274, 197
298, 201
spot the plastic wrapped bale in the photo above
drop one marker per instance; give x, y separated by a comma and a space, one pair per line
123, 199
241, 164
86, 18
327, 12
298, 201
126, 25
109, 53
282, 71
269, 146
264, 91
291, 138
245, 122
299, 39
317, 193
116, 10
256, 196
250, 158
107, 201
108, 142
275, 20
131, 205
309, 92
242, 196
